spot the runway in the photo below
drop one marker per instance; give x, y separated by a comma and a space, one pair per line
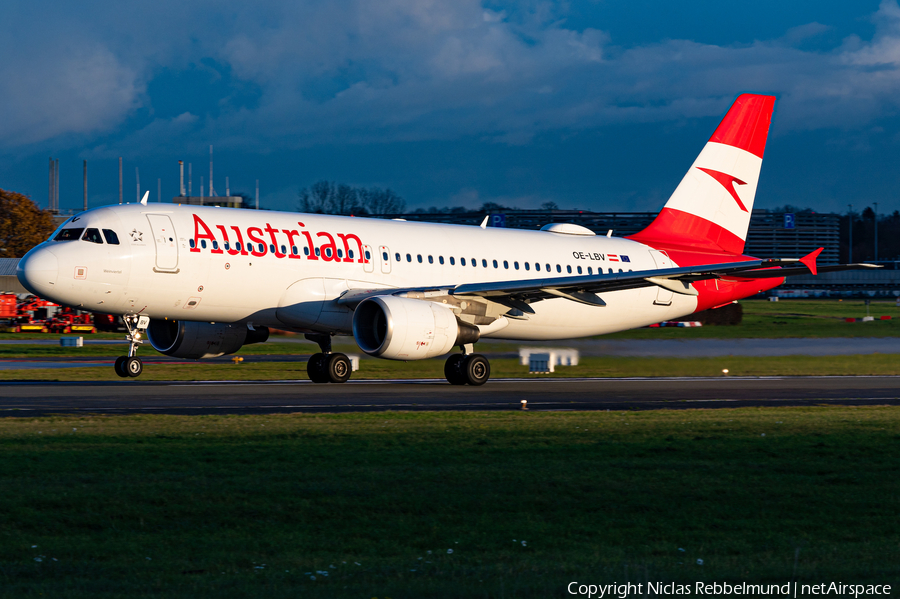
240, 397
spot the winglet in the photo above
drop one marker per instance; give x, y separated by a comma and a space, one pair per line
485, 221
144, 199
809, 260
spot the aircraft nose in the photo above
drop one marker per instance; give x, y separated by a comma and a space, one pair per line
38, 272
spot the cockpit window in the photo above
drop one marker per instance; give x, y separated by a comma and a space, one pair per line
69, 234
92, 235
111, 237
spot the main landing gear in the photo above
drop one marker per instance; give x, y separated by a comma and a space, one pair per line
327, 367
467, 368
131, 365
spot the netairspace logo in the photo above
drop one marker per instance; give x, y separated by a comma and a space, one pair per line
723, 589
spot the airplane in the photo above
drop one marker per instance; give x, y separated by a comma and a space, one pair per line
201, 282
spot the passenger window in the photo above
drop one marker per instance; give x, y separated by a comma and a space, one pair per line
306, 251
558, 268
430, 259
92, 235
216, 245
441, 259
452, 261
537, 266
262, 248
484, 263
579, 270
590, 270
462, 261
69, 234
192, 243
293, 249
384, 256
237, 245
495, 264
474, 262
610, 271
547, 267
225, 245
350, 254
506, 264
419, 258
516, 265
111, 237
328, 253
283, 249
271, 248
408, 258
203, 244
620, 270
397, 257
318, 250
368, 255
527, 266
340, 252
569, 269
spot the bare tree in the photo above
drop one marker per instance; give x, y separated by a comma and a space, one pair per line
325, 197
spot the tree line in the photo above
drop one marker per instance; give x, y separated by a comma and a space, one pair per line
327, 197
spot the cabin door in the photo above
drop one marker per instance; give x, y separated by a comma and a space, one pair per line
166, 243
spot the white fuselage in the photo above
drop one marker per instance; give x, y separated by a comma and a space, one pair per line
155, 271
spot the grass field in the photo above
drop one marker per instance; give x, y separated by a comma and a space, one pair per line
762, 319
509, 504
875, 364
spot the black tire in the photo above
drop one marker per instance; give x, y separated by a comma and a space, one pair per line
118, 367
315, 368
476, 369
453, 370
133, 366
338, 368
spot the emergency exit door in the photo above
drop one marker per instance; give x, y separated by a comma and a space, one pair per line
663, 296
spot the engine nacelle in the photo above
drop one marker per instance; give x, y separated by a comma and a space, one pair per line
399, 328
196, 340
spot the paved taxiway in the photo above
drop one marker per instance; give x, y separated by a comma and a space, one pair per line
224, 397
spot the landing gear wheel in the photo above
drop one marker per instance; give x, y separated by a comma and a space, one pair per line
133, 366
120, 370
476, 369
453, 371
337, 368
316, 368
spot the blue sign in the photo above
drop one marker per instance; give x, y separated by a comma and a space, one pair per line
788, 220
498, 221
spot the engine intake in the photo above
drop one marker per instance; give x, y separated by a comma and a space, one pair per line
196, 340
398, 328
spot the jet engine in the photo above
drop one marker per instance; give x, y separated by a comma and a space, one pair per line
399, 328
195, 340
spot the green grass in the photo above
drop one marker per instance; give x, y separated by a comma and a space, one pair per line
239, 506
790, 318
762, 319
371, 368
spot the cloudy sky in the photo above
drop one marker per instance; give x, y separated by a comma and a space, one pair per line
595, 105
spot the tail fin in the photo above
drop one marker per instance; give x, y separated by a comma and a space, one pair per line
710, 209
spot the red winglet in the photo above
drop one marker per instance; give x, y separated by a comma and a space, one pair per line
810, 260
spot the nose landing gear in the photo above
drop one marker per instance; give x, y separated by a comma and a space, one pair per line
131, 365
467, 368
327, 367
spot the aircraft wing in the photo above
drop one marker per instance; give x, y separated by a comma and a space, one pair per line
516, 295
584, 289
